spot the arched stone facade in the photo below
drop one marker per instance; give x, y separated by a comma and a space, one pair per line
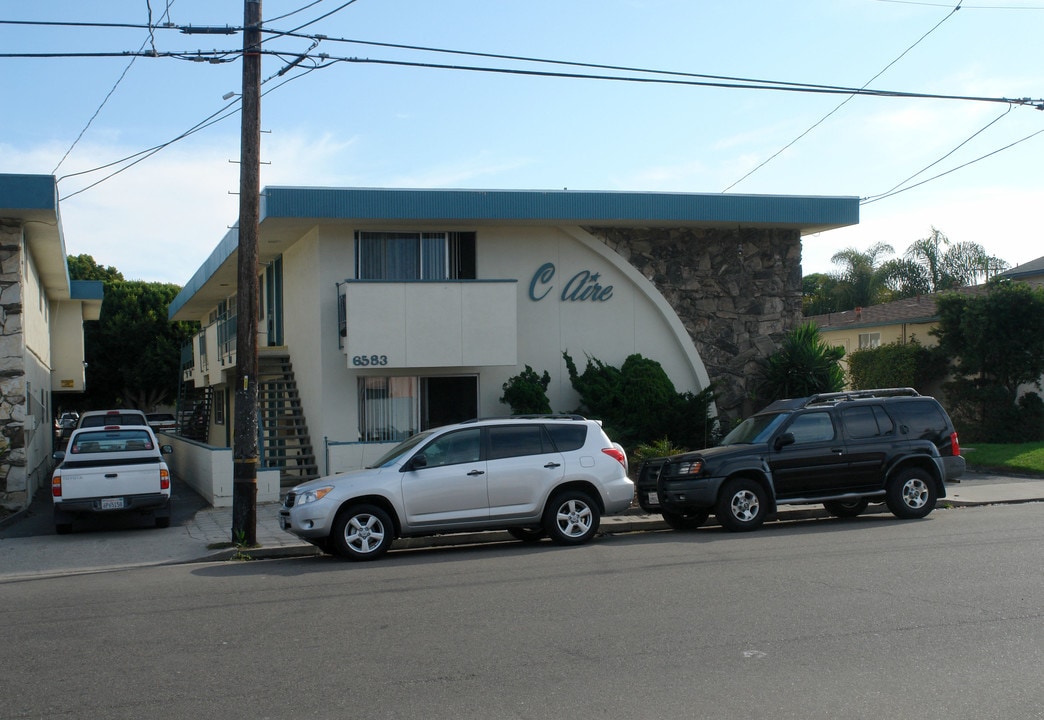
736, 292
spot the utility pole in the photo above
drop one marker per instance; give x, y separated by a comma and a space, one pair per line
245, 450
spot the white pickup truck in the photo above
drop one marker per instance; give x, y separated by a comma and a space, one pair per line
115, 468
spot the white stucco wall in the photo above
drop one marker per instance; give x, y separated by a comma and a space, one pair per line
631, 318
68, 347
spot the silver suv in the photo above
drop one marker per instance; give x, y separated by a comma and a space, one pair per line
535, 477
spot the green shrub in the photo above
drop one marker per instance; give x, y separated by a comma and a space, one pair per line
983, 412
637, 403
804, 365
526, 393
657, 448
896, 364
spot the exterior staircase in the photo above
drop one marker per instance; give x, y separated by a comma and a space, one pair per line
194, 408
284, 433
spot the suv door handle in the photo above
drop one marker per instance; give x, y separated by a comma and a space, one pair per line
552, 465
475, 473
839, 451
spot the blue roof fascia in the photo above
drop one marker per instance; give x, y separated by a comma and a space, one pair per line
556, 206
28, 192
222, 252
86, 289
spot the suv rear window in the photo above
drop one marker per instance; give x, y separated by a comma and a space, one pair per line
923, 418
867, 421
514, 441
568, 437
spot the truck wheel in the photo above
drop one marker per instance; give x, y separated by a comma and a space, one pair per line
741, 505
571, 518
911, 494
63, 528
163, 522
685, 521
847, 508
362, 532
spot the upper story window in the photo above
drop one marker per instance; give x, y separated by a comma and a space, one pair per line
414, 255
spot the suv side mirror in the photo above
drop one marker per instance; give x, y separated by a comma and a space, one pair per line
782, 441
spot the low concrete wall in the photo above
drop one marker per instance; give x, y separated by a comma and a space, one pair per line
347, 456
208, 471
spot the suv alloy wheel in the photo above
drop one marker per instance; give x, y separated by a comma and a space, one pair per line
363, 532
742, 505
571, 518
911, 494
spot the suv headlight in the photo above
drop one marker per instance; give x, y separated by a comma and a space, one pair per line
310, 496
690, 467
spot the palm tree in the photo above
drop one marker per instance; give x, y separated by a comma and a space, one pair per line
804, 365
949, 266
863, 280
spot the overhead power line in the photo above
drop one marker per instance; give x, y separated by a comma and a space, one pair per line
149, 41
680, 78
844, 102
876, 198
929, 167
224, 113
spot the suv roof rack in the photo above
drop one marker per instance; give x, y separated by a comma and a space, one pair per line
834, 397
535, 416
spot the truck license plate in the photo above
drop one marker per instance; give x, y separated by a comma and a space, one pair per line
112, 503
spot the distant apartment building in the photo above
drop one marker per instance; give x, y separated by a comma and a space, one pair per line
41, 332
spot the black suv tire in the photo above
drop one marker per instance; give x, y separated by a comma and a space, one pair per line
742, 505
911, 494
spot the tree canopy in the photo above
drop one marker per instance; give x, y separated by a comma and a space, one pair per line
84, 267
133, 352
998, 336
996, 341
870, 277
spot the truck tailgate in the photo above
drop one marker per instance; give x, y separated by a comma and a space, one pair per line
83, 481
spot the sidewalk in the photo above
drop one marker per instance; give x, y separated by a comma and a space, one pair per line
213, 524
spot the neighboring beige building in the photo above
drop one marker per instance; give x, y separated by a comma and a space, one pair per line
384, 311
902, 320
41, 332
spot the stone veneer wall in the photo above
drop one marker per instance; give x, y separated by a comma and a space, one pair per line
12, 372
737, 291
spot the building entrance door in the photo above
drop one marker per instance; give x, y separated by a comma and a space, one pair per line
446, 400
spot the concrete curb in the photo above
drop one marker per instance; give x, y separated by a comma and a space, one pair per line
618, 524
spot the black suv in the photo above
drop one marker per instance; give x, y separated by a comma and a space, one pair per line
844, 450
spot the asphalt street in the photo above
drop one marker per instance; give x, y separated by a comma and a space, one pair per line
864, 618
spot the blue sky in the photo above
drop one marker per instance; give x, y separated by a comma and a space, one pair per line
384, 125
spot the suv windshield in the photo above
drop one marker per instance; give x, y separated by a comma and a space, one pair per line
755, 429
401, 449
